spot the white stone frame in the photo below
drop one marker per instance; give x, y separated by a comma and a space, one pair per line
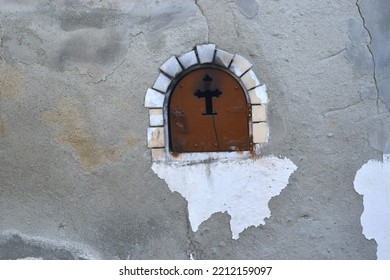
157, 98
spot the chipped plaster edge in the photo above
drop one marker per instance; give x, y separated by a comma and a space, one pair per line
212, 187
370, 182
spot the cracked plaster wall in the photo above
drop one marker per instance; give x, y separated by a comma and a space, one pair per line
75, 173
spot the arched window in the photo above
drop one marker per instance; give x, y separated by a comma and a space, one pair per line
208, 112
206, 101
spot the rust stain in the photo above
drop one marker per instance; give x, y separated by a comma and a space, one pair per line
112, 98
125, 106
130, 141
3, 130
175, 155
76, 135
12, 88
11, 85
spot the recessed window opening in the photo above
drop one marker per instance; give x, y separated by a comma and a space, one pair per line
206, 103
208, 112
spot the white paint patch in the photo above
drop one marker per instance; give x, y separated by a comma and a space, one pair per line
373, 182
191, 158
242, 188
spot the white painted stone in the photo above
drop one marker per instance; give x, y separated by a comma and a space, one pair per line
155, 137
259, 95
162, 83
259, 113
188, 59
260, 132
171, 67
156, 117
158, 153
205, 53
240, 65
154, 99
223, 58
250, 80
373, 182
215, 187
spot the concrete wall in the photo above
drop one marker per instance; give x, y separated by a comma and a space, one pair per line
75, 170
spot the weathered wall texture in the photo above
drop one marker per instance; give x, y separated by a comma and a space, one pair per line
75, 172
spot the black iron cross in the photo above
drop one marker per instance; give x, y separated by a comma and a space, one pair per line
208, 95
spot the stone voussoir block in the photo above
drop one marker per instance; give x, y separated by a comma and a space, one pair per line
223, 58
259, 113
156, 117
156, 137
162, 83
205, 53
258, 95
188, 59
154, 99
260, 132
158, 153
239, 65
171, 67
250, 80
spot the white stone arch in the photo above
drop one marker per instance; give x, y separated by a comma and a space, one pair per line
157, 97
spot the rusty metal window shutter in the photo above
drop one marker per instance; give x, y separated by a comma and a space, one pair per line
208, 112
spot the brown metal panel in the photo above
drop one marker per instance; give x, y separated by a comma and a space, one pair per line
208, 112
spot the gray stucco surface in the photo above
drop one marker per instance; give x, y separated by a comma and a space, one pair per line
75, 171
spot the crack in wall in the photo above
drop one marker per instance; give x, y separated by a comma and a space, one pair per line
371, 53
334, 54
235, 20
216, 134
235, 24
204, 15
115, 68
121, 63
325, 114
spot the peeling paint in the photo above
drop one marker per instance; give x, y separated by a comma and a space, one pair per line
373, 182
76, 135
242, 188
